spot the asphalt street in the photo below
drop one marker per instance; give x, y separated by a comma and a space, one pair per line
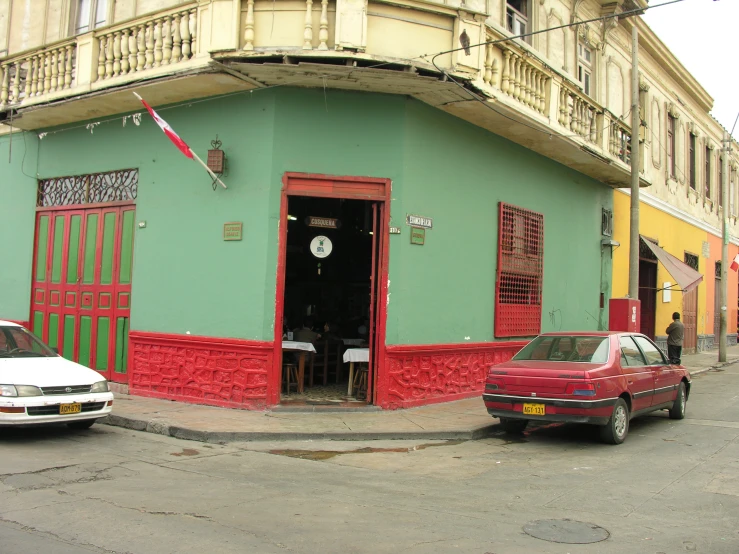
672, 487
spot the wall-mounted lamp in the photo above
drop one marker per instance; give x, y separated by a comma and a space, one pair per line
610, 242
216, 159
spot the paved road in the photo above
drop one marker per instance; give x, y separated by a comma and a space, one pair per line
672, 487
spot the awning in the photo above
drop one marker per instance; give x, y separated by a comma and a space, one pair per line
687, 277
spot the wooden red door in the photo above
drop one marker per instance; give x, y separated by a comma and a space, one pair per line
648, 297
81, 296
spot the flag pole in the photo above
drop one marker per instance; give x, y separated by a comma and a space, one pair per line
215, 177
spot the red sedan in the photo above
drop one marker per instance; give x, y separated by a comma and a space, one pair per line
603, 378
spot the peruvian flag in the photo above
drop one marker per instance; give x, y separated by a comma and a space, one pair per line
735, 263
178, 142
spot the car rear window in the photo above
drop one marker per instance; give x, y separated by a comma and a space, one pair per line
570, 348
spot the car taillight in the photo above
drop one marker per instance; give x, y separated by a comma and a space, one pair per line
580, 389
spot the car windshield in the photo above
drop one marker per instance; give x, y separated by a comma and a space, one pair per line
572, 348
16, 342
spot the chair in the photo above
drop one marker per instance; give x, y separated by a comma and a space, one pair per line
328, 358
290, 376
360, 381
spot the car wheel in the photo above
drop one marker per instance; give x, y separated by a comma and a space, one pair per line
513, 426
678, 407
81, 425
615, 431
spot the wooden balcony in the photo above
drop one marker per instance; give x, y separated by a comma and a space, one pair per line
221, 46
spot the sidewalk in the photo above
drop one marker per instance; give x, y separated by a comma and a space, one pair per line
460, 420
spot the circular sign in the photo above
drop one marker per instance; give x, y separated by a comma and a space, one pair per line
321, 246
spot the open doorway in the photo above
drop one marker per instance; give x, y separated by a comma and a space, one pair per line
329, 282
647, 289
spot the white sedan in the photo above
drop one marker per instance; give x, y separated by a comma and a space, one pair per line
39, 386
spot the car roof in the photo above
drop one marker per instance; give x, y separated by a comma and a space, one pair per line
8, 323
585, 333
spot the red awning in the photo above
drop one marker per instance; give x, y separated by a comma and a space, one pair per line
687, 277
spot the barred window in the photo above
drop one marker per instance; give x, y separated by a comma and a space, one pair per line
93, 188
518, 289
691, 260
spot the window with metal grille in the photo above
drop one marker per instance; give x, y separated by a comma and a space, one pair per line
691, 260
93, 188
606, 223
518, 288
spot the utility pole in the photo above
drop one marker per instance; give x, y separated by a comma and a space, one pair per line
635, 123
723, 326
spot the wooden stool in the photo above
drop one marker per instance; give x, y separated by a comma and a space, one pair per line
290, 377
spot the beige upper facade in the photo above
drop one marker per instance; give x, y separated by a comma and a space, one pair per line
564, 93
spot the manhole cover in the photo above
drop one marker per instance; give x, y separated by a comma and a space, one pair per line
565, 531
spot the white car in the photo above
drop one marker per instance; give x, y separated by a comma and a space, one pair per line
39, 386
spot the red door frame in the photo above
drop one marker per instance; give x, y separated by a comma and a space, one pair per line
330, 186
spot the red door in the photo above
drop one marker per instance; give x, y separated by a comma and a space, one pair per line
81, 295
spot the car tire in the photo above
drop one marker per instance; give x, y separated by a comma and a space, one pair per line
513, 426
615, 431
81, 425
678, 407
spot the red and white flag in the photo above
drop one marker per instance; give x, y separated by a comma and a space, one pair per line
164, 126
178, 142
735, 263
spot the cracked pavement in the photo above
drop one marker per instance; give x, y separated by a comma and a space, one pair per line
672, 487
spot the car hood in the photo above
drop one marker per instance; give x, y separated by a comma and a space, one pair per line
46, 372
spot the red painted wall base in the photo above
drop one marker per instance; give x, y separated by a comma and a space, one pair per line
235, 373
202, 370
418, 375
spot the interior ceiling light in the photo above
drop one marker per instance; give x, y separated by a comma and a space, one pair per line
292, 218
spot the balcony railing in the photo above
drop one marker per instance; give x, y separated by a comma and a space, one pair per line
164, 39
38, 73
619, 144
578, 113
76, 65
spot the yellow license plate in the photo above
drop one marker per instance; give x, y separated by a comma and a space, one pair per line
65, 409
534, 409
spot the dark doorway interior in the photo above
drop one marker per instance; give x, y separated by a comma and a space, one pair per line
648, 296
333, 290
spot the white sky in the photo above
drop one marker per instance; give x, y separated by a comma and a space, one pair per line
704, 35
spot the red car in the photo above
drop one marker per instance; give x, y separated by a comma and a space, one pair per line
601, 378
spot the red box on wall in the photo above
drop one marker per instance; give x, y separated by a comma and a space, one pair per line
624, 314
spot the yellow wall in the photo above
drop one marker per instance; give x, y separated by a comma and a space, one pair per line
676, 237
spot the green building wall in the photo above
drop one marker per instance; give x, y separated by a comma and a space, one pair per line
188, 280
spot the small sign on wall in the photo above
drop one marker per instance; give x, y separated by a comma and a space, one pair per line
666, 292
419, 221
232, 230
706, 250
418, 236
394, 230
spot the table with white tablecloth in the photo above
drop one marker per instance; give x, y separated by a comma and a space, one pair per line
303, 348
355, 355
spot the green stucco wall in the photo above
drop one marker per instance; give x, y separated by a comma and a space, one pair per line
17, 220
187, 279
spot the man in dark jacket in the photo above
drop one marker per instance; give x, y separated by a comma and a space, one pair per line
675, 334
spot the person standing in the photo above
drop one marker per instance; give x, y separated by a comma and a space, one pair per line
675, 334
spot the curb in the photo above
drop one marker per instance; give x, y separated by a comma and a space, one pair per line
717, 366
219, 437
